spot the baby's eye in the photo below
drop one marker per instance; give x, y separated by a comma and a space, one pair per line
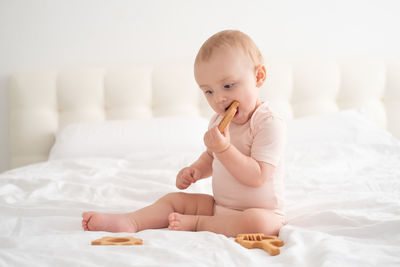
208, 92
228, 86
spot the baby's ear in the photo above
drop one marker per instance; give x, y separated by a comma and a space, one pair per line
261, 75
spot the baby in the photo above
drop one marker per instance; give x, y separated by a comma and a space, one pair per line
245, 161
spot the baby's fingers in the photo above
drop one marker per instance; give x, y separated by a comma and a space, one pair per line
217, 135
189, 180
182, 183
186, 174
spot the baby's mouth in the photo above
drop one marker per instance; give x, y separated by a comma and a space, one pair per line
237, 109
229, 106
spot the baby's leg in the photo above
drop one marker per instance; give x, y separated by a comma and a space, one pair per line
230, 223
94, 221
151, 217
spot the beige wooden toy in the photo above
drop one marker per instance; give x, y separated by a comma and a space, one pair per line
126, 240
268, 243
229, 114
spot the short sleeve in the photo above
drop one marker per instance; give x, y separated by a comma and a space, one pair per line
269, 139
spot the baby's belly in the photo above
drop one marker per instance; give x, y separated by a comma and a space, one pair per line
230, 193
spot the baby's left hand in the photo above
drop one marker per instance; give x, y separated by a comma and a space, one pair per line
217, 142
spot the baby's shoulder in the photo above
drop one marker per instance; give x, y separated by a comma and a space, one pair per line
265, 118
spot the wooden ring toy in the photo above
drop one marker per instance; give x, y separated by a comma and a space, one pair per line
118, 241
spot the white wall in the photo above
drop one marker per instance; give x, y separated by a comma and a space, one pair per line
101, 33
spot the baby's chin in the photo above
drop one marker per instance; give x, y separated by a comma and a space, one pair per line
239, 120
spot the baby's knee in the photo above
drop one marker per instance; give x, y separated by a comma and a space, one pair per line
172, 197
258, 221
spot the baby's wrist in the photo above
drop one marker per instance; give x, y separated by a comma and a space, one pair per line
223, 150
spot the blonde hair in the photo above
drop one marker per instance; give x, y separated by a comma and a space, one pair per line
233, 39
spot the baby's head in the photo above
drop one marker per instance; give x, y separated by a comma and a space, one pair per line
229, 66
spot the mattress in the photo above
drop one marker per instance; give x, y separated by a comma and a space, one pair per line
342, 201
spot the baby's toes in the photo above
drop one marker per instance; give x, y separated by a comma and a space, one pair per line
174, 222
84, 225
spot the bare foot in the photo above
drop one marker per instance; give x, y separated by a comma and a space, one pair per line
93, 221
182, 222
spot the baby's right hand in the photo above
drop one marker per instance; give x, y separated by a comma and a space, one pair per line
186, 177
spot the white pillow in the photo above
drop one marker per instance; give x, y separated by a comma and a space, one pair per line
146, 138
345, 146
118, 139
347, 126
338, 138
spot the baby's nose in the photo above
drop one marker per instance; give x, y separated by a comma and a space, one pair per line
220, 98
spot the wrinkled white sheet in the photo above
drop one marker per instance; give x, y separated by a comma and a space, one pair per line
343, 206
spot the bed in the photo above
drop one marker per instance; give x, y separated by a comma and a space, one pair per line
72, 150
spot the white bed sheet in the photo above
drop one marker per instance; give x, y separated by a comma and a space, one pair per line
342, 198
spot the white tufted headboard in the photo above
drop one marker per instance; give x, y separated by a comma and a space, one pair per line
43, 102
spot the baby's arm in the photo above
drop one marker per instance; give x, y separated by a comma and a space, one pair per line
201, 168
204, 165
245, 169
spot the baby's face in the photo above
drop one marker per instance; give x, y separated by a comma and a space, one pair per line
227, 76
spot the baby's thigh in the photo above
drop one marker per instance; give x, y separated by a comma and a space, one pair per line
190, 204
263, 221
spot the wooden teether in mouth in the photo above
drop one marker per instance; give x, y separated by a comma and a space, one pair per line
229, 114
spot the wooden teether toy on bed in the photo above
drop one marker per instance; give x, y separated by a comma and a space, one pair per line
125, 240
229, 114
268, 243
